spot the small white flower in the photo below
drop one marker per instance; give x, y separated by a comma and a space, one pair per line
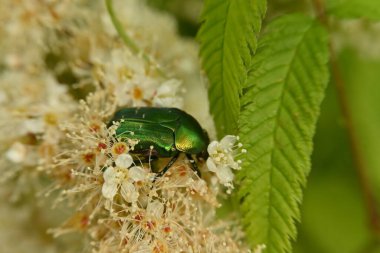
221, 159
126, 73
122, 177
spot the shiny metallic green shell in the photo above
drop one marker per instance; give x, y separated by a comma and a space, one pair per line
168, 130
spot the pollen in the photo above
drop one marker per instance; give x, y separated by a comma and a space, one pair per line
88, 158
167, 229
84, 221
138, 218
137, 93
150, 225
101, 146
119, 148
51, 119
159, 248
94, 127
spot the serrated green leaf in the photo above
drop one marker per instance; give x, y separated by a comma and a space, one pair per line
228, 41
369, 9
280, 107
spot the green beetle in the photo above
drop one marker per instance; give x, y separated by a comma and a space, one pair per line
162, 132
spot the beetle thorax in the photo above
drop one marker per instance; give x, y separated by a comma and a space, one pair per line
189, 140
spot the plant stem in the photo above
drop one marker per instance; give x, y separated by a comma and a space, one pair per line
125, 38
120, 30
359, 160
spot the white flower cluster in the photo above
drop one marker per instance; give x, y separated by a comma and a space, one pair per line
127, 204
133, 86
123, 177
64, 73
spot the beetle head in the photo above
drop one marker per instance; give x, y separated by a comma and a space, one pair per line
204, 154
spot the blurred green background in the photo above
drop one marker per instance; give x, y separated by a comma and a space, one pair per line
334, 215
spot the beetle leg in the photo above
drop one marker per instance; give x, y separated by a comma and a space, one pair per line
194, 166
167, 167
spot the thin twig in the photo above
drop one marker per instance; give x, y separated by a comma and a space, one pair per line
120, 29
126, 39
359, 160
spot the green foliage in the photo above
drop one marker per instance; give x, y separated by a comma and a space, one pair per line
333, 210
328, 225
228, 38
362, 79
369, 9
280, 107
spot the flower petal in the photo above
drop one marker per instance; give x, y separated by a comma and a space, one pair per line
110, 175
136, 173
211, 165
124, 161
224, 174
228, 141
128, 191
109, 190
213, 147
